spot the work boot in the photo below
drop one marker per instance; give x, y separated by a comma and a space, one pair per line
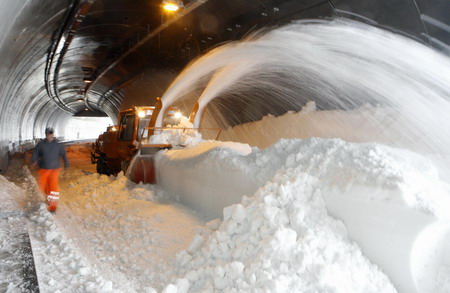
52, 201
52, 206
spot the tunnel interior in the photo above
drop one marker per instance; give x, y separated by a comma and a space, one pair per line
63, 59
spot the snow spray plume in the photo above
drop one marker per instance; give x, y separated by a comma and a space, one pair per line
338, 64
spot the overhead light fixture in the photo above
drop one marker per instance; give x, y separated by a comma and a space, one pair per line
141, 114
88, 74
87, 80
172, 5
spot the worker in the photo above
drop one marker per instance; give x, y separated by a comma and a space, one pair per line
47, 155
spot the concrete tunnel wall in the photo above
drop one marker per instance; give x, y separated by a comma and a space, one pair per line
24, 106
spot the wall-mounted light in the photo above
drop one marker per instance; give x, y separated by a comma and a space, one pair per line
172, 5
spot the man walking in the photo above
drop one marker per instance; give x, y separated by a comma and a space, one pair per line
46, 154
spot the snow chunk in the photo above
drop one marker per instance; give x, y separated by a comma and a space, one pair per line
182, 134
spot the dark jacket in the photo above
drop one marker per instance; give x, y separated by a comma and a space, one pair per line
47, 154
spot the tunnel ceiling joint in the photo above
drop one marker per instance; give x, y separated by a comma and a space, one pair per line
75, 15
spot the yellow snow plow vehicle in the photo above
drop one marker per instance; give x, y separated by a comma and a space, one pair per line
115, 148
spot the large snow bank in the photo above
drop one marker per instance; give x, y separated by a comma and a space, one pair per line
189, 174
368, 123
406, 178
392, 202
280, 240
377, 124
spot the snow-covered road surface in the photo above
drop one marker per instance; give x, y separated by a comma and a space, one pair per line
17, 269
108, 234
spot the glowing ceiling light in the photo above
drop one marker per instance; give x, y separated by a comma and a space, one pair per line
88, 74
172, 5
141, 114
114, 128
87, 80
177, 115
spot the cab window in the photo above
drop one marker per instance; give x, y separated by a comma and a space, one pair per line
143, 123
126, 128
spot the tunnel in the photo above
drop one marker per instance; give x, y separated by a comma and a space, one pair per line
294, 108
130, 52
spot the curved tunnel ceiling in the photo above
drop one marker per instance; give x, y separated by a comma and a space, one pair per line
131, 50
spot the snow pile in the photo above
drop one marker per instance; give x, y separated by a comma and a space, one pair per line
410, 179
388, 198
280, 240
366, 123
413, 181
126, 233
182, 134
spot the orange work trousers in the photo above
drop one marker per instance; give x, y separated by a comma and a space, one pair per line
48, 180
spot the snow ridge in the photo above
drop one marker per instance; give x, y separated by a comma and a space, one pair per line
340, 164
280, 240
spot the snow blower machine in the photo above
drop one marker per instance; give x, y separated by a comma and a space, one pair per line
128, 146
